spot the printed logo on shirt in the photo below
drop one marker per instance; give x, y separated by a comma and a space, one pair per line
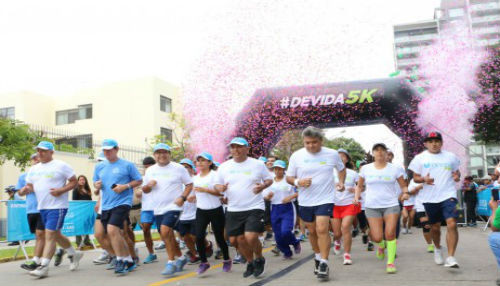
320, 161
161, 175
242, 172
115, 171
44, 174
446, 166
380, 178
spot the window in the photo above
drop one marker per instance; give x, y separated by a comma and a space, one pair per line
71, 115
7, 112
80, 141
476, 161
165, 104
166, 134
475, 150
458, 12
492, 149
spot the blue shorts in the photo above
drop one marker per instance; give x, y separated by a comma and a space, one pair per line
437, 212
147, 217
309, 214
170, 219
53, 219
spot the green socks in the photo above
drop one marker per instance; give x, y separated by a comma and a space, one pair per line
391, 251
381, 244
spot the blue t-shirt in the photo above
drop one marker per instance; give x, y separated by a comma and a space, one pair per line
120, 172
31, 203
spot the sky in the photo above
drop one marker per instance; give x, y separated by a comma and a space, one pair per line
58, 47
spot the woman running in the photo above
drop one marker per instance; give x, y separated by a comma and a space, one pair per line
209, 210
408, 212
344, 212
382, 206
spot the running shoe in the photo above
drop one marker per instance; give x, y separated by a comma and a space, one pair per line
58, 256
336, 247
150, 258
355, 232
275, 251
430, 248
112, 263
41, 271
323, 271
193, 259
370, 246
287, 257
75, 260
404, 231
249, 271
180, 263
169, 269
269, 236
259, 266
347, 259
408, 231
136, 260
104, 258
390, 269
365, 238
438, 257
380, 253
451, 262
182, 244
226, 265
130, 266
316, 266
120, 267
160, 245
239, 259
204, 266
30, 265
297, 248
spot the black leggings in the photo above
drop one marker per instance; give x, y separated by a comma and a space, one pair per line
217, 219
471, 210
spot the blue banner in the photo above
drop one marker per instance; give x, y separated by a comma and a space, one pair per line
483, 198
78, 221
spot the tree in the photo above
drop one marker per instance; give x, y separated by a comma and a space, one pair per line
180, 142
355, 149
486, 127
16, 142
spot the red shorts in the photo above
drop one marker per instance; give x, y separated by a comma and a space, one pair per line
408, 208
343, 211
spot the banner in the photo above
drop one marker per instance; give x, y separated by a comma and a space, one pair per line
483, 198
78, 221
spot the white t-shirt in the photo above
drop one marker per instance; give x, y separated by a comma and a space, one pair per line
170, 181
148, 201
380, 185
346, 197
45, 176
398, 188
440, 167
280, 191
242, 178
188, 211
319, 167
416, 202
206, 201
362, 200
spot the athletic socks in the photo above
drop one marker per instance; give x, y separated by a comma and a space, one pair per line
70, 250
317, 256
323, 261
36, 259
45, 261
391, 251
382, 244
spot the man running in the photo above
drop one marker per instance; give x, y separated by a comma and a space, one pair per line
311, 171
51, 180
117, 178
243, 179
438, 170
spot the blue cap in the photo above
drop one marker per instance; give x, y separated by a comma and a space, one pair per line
188, 162
108, 144
279, 164
239, 141
161, 146
206, 155
45, 145
263, 159
217, 164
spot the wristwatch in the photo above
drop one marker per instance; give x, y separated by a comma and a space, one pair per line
184, 198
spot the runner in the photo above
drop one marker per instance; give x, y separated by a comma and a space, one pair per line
267, 212
165, 181
311, 171
281, 194
345, 211
382, 205
209, 211
51, 180
422, 218
409, 212
243, 179
117, 178
34, 219
438, 171
147, 215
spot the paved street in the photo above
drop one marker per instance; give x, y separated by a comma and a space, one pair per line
415, 267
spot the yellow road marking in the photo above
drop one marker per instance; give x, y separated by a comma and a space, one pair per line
192, 274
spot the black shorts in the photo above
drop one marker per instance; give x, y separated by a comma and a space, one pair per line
267, 212
98, 217
186, 227
363, 222
116, 216
237, 223
35, 222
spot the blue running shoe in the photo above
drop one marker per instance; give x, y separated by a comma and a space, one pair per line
120, 267
150, 258
180, 263
169, 269
130, 266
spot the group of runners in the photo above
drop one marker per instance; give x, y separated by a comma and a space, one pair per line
187, 199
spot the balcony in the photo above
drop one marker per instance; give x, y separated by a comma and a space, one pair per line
416, 38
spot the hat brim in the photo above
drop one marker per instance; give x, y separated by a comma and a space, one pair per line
165, 149
204, 157
43, 148
379, 145
108, 147
237, 143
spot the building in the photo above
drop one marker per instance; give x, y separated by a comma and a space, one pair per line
483, 159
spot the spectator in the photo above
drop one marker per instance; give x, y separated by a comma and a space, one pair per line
470, 190
494, 238
12, 193
82, 192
